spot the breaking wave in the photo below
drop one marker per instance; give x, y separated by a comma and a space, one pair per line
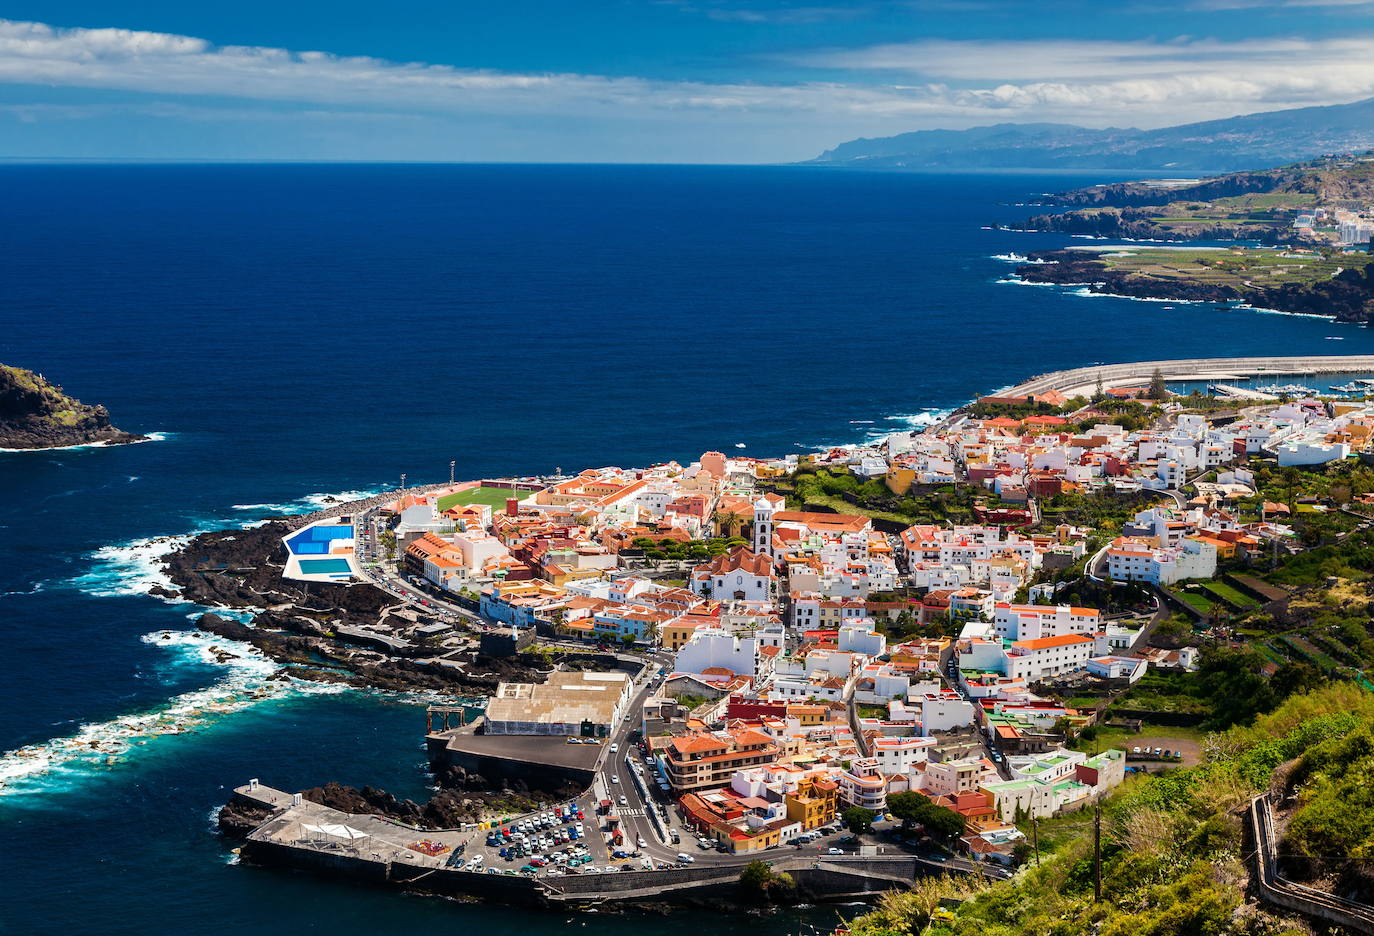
103, 745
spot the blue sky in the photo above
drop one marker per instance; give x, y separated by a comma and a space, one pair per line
641, 80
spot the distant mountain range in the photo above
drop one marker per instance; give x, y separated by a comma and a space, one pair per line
1251, 141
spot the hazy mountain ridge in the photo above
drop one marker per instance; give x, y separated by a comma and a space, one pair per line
1233, 143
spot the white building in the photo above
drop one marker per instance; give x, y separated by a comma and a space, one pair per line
1136, 560
739, 575
1030, 622
712, 648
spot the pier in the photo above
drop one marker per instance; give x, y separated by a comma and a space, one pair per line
305, 835
1240, 393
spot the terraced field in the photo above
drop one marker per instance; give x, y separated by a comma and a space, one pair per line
1241, 268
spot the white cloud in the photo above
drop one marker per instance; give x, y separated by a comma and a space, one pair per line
942, 83
1196, 76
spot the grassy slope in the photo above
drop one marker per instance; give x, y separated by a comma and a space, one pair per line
1242, 269
1171, 846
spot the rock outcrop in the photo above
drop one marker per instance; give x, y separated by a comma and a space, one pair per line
36, 414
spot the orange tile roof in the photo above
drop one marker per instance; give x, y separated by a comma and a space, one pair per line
1042, 643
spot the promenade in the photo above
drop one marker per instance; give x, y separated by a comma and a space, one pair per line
1083, 380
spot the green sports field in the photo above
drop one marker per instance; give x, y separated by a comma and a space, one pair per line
491, 496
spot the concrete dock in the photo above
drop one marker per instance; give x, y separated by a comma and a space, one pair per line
306, 835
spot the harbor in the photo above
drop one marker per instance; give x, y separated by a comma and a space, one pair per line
301, 834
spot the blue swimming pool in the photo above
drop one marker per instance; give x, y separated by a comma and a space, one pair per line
315, 541
325, 566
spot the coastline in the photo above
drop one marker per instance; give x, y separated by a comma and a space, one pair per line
132, 439
1352, 298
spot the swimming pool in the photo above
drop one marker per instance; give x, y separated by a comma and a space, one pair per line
315, 540
325, 566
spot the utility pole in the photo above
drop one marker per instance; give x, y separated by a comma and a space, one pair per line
1097, 851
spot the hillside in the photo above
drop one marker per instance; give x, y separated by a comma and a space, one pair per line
1173, 855
1251, 206
36, 414
1229, 144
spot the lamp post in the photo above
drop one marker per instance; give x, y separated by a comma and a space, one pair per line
452, 463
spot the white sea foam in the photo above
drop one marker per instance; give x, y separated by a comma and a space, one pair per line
105, 744
1021, 258
132, 568
312, 502
150, 437
1087, 293
1263, 311
1018, 281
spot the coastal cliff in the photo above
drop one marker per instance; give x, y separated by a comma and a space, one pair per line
1258, 206
1140, 224
1347, 296
36, 414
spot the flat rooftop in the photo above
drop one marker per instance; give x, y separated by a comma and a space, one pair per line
529, 749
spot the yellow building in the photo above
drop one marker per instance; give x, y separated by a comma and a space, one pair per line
900, 480
814, 803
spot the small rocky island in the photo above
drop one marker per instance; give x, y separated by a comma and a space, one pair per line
36, 414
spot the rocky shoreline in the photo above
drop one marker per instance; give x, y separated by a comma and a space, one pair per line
1348, 297
240, 570
36, 415
461, 798
1138, 224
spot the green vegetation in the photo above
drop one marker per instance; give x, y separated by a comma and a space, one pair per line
759, 879
1231, 686
1172, 857
491, 496
842, 492
857, 819
1229, 594
987, 409
1239, 267
690, 551
1199, 603
917, 809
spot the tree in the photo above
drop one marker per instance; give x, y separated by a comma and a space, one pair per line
1158, 391
941, 822
757, 875
759, 878
857, 819
906, 807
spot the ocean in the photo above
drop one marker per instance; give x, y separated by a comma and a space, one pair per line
289, 332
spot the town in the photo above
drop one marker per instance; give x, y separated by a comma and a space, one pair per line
923, 645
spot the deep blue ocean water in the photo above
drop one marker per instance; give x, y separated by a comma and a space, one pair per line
304, 330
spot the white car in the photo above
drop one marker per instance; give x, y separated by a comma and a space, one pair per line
640, 841
623, 800
615, 747
615, 778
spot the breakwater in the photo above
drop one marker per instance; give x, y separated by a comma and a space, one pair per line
1085, 379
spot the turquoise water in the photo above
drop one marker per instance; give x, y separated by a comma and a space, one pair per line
515, 319
324, 566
